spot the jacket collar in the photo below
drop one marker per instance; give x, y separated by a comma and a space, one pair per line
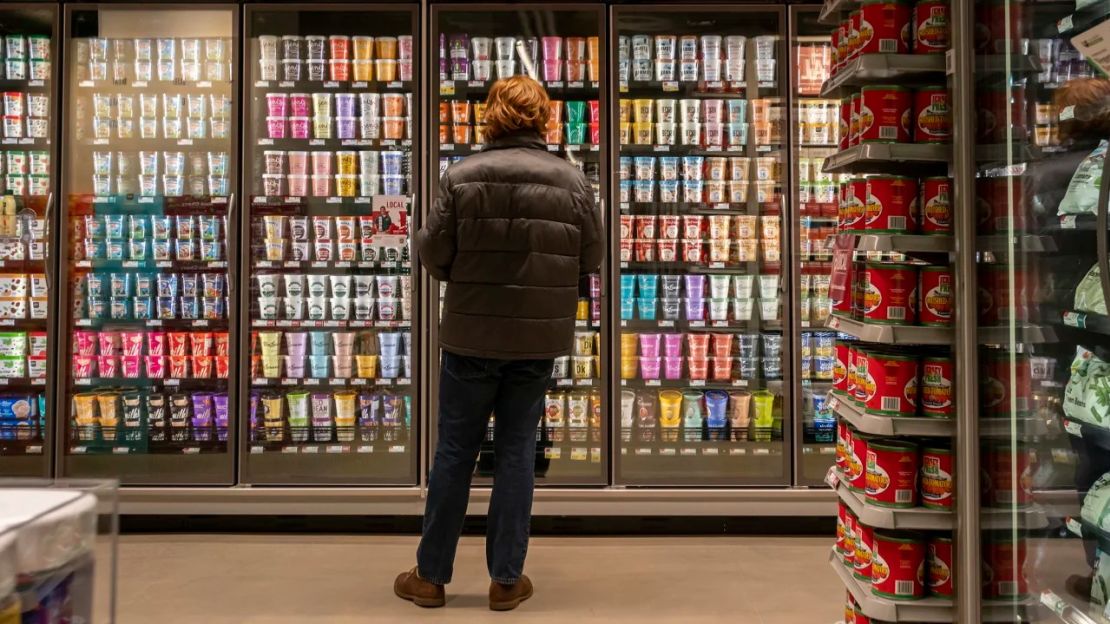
522, 138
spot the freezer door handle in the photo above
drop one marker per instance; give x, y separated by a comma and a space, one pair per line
46, 232
231, 212
604, 259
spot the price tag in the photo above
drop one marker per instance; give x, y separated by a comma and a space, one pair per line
1073, 428
290, 450
1075, 319
643, 451
1065, 25
669, 86
710, 450
697, 383
184, 141
1075, 526
653, 383
579, 454
832, 477
689, 451
311, 450
256, 450
668, 452
331, 84
334, 449
662, 148
400, 448
364, 449
120, 450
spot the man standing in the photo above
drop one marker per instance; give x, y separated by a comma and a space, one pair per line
511, 232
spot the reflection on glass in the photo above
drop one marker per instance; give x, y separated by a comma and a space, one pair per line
330, 358
26, 200
566, 58
701, 195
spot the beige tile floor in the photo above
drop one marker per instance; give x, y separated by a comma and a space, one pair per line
217, 579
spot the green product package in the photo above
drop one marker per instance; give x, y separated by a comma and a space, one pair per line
1088, 294
1087, 395
1082, 194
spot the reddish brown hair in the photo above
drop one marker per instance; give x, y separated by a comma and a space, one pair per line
1090, 102
516, 103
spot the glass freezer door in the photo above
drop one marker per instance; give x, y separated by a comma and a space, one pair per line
701, 123
562, 49
814, 135
328, 366
28, 157
149, 186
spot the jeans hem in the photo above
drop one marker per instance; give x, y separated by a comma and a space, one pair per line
433, 579
503, 581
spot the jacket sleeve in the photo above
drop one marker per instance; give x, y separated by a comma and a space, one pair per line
435, 242
592, 249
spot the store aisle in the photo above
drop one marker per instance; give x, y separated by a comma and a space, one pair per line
179, 579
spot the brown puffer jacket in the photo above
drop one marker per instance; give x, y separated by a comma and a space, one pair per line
511, 232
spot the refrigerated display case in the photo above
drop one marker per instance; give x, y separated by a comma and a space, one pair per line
563, 48
28, 159
705, 397
815, 132
151, 128
329, 175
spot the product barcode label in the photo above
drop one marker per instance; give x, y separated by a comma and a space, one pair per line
896, 223
903, 496
1007, 588
903, 588
888, 46
888, 132
896, 313
891, 404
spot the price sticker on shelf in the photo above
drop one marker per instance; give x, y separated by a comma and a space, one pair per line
1073, 428
579, 454
710, 450
689, 451
311, 450
832, 477
364, 449
697, 383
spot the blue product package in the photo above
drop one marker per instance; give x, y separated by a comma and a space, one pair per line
145, 285
161, 249
166, 308
190, 308
189, 285
167, 284
143, 308
95, 284
120, 284
137, 227
120, 308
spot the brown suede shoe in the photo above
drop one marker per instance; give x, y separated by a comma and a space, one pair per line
411, 587
509, 597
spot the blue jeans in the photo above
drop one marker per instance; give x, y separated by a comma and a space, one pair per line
470, 389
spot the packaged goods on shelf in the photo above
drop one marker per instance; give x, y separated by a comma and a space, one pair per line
301, 416
1082, 194
694, 415
146, 420
324, 355
335, 58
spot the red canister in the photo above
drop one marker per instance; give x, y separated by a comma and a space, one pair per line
843, 43
892, 473
1004, 567
931, 26
932, 115
841, 527
936, 205
856, 468
852, 381
889, 293
850, 524
853, 121
938, 484
844, 138
859, 388
884, 114
854, 19
938, 563
890, 383
834, 52
841, 454
840, 368
861, 562
1005, 295
935, 294
998, 26
849, 609
843, 301
1005, 465
1001, 113
937, 388
898, 565
891, 205
1001, 204
852, 209
884, 27
1005, 383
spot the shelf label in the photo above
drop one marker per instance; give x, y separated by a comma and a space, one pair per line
1094, 44
689, 451
832, 477
310, 450
285, 84
669, 86
662, 148
697, 383
653, 383
399, 448
710, 450
1075, 319
1073, 428
334, 449
364, 449
1065, 24
1075, 526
